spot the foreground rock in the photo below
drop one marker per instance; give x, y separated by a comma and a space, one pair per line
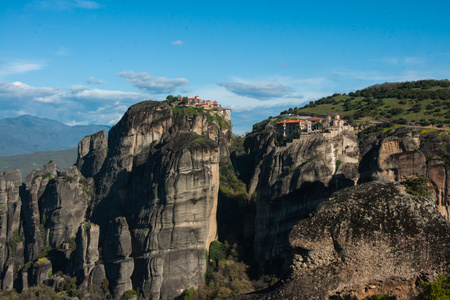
366, 240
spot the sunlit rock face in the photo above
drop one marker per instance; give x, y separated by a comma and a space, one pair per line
405, 153
161, 179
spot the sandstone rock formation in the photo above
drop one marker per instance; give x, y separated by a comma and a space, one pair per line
137, 210
291, 181
404, 153
92, 151
161, 177
366, 240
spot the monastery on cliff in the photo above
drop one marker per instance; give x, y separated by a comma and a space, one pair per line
332, 124
208, 105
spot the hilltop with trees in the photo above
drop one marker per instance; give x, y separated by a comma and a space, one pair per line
424, 102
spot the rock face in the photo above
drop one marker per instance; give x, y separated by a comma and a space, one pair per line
92, 151
366, 240
138, 209
161, 177
291, 181
11, 235
64, 204
117, 249
405, 153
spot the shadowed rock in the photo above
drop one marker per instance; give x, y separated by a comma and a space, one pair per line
366, 240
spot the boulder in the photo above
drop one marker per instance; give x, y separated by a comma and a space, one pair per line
365, 241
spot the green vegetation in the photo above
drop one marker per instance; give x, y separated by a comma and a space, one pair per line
71, 243
189, 295
438, 290
380, 127
213, 118
424, 102
225, 276
418, 186
13, 242
36, 292
230, 185
128, 295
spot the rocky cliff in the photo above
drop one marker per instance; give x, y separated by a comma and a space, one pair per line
367, 240
161, 176
138, 210
405, 153
290, 181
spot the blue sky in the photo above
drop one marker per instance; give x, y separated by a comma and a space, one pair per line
87, 61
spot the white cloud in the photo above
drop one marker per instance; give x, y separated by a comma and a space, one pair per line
65, 4
259, 90
153, 85
79, 104
62, 51
402, 61
19, 90
87, 4
19, 67
92, 80
177, 43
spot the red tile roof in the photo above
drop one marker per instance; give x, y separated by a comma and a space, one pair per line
316, 120
292, 122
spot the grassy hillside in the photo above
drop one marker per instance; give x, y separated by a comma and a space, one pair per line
28, 162
424, 102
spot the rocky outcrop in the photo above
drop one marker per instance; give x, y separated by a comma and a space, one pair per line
64, 205
404, 153
142, 218
161, 177
92, 151
404, 236
291, 181
86, 253
11, 236
117, 249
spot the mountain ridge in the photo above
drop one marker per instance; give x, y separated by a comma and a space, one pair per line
27, 134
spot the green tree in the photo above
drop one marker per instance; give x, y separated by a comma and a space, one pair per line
296, 134
438, 290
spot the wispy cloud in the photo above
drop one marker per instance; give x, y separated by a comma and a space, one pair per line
376, 76
19, 67
65, 4
92, 80
62, 51
177, 43
259, 90
153, 85
402, 61
71, 104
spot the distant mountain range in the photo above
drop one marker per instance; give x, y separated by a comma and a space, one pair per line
27, 134
36, 160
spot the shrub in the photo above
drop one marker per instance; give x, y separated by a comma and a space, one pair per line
128, 295
438, 290
189, 295
418, 186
